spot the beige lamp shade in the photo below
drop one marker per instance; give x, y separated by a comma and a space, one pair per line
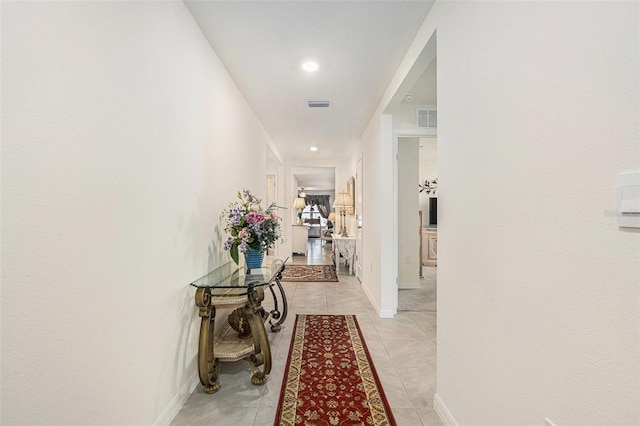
299, 203
332, 217
342, 200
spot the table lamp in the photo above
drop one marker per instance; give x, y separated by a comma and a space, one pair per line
332, 217
299, 204
342, 201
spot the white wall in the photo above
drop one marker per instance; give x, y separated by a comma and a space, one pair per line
404, 117
428, 171
123, 138
408, 220
380, 250
283, 247
538, 289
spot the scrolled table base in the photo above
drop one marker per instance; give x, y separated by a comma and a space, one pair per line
248, 320
208, 365
275, 313
261, 356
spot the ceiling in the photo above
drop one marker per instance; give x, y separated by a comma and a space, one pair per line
425, 92
315, 178
357, 44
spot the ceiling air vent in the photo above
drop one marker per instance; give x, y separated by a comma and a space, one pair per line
318, 104
426, 118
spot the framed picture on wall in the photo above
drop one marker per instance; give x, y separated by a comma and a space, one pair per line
351, 190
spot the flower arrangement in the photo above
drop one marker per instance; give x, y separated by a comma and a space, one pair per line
250, 227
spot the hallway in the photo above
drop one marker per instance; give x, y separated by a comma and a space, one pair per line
318, 253
400, 347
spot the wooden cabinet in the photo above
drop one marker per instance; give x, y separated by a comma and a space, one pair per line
299, 239
430, 246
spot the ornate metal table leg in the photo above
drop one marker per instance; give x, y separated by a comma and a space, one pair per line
262, 351
208, 365
281, 316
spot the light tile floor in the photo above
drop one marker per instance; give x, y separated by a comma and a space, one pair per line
403, 350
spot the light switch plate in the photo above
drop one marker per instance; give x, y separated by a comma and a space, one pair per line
628, 200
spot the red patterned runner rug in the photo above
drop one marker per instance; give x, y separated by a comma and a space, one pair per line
329, 378
309, 273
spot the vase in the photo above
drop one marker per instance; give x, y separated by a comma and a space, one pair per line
253, 259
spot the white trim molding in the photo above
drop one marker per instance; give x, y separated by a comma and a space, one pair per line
443, 412
387, 313
371, 298
414, 133
409, 286
177, 403
382, 313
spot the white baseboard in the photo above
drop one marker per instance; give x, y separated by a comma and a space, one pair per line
382, 313
370, 297
387, 313
408, 286
176, 404
443, 411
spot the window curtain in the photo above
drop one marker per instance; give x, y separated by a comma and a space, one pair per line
322, 202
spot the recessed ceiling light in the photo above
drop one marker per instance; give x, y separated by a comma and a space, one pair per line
310, 66
313, 148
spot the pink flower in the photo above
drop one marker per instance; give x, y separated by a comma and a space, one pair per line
274, 217
255, 217
244, 234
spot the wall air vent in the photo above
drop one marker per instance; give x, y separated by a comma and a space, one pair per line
318, 104
426, 118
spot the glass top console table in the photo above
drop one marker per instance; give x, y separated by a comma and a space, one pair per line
244, 337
